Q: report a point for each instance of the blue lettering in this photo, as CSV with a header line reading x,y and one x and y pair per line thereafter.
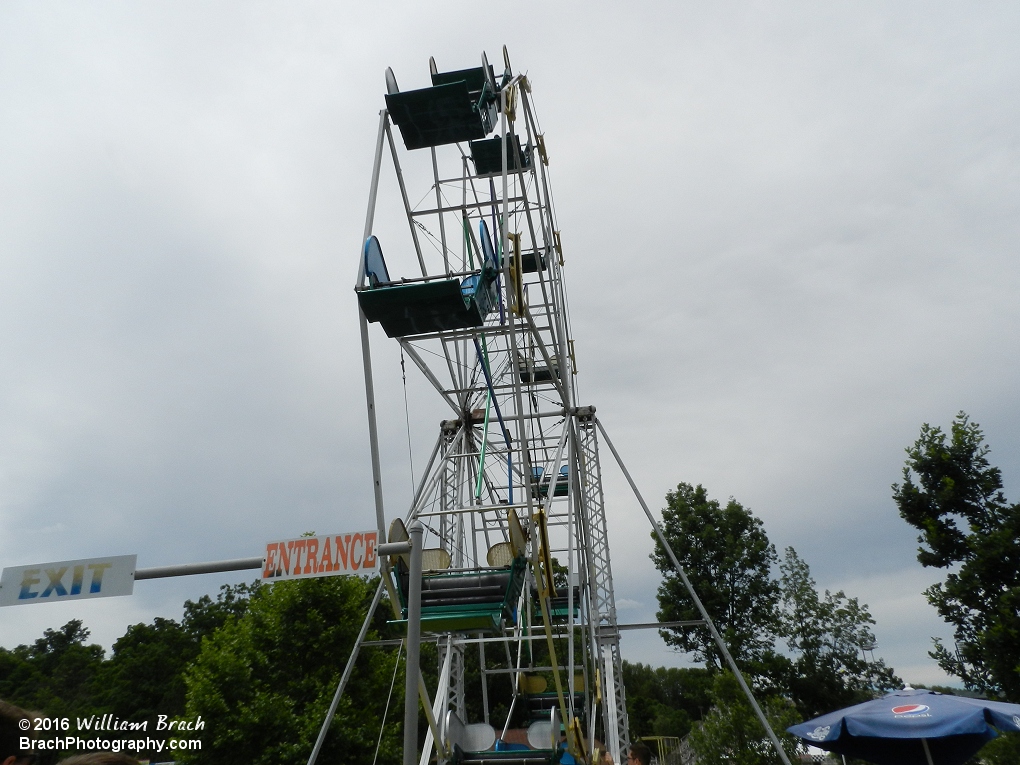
x,y
27,580
55,585
97,570
79,573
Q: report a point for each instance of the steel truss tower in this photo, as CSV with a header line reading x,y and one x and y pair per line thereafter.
x,y
481,311
514,570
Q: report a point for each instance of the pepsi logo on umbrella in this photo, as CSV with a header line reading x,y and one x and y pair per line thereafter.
x,y
911,710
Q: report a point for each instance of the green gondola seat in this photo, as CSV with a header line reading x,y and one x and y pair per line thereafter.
x,y
422,307
532,262
536,372
486,156
477,600
559,606
460,106
540,704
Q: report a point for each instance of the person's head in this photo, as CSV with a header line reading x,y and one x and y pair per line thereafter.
x,y
15,724
639,754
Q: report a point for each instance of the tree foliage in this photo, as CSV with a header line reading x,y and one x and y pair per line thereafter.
x,y
664,701
55,674
144,675
953,496
828,636
729,561
730,734
267,678
728,558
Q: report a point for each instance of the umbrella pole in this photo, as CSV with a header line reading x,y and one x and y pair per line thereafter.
x,y
927,751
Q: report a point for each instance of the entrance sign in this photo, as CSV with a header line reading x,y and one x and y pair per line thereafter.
x,y
328,555
68,580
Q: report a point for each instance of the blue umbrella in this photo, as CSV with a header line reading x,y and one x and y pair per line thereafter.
x,y
911,727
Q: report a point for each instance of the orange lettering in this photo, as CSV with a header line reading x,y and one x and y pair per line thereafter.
x,y
312,557
370,557
356,562
326,562
342,545
299,549
285,559
271,550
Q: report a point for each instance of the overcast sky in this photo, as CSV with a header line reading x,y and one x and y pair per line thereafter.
x,y
790,234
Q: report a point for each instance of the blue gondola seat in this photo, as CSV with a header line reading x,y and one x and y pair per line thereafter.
x,y
540,487
507,754
421,307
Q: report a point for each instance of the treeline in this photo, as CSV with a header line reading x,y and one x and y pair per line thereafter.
x,y
259,664
804,652
808,652
62,675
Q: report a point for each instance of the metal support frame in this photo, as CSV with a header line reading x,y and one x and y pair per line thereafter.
x,y
413,648
498,459
481,469
607,635
542,326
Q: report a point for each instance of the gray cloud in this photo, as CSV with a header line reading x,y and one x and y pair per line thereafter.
x,y
790,237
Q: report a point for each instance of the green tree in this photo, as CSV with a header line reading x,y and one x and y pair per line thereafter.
x,y
53,675
1004,750
264,680
953,496
664,701
730,734
828,636
144,675
728,558
204,616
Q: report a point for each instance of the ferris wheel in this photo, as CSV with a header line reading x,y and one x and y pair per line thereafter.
x,y
502,558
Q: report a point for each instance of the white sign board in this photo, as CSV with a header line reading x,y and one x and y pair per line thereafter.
x,y
68,580
328,555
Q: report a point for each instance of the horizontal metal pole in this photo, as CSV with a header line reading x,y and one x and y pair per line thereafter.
x,y
396,641
467,206
188,569
431,638
461,179
515,670
661,625
393,548
418,280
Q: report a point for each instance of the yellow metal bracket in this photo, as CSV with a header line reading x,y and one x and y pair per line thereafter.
x,y
542,565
